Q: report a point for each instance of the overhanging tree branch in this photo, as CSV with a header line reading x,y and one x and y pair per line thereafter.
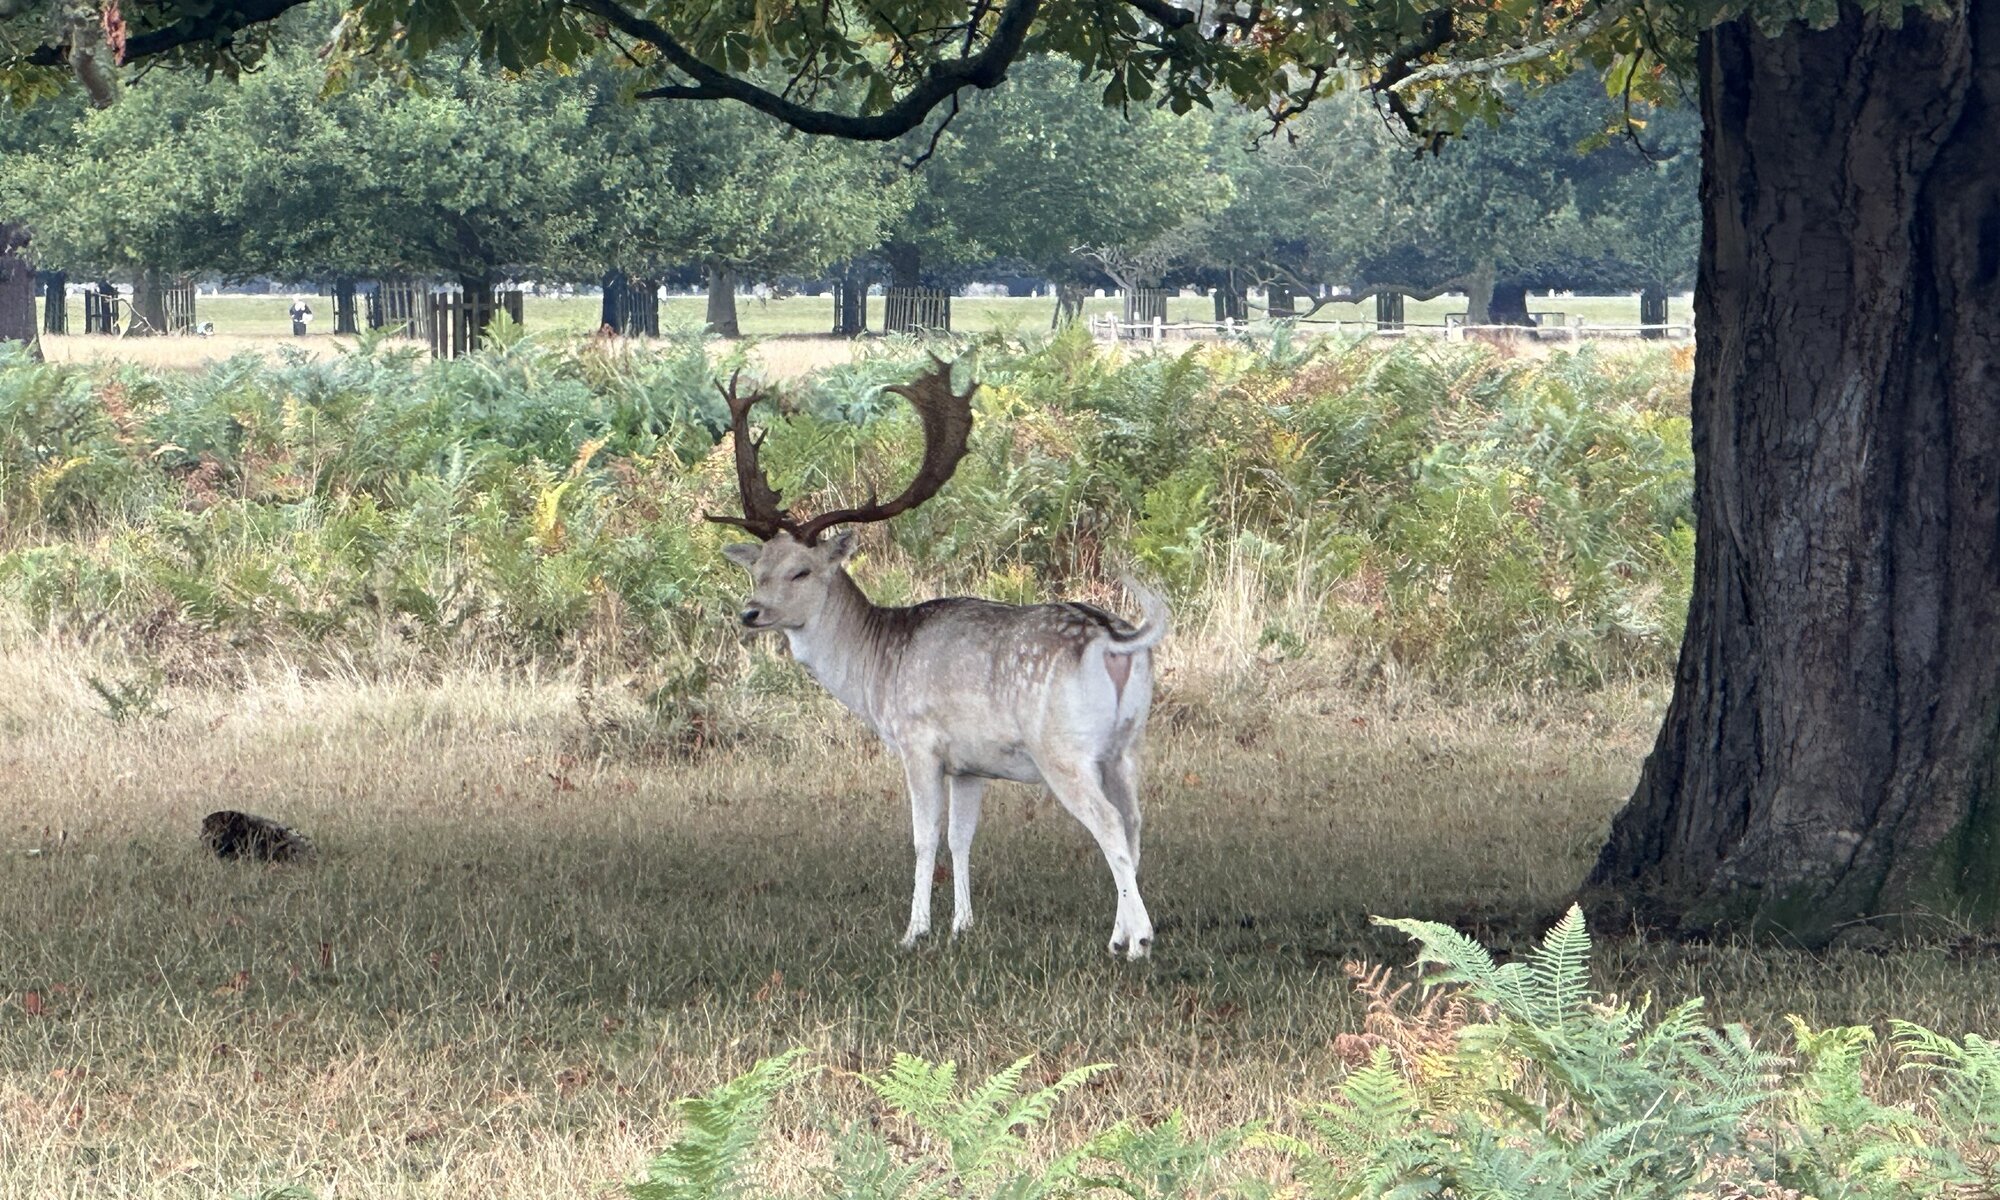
x,y
217,24
940,82
1563,39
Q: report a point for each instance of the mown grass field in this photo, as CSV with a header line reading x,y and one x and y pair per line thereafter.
x,y
260,323
549,902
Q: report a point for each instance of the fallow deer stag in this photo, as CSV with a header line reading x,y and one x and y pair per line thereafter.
x,y
963,690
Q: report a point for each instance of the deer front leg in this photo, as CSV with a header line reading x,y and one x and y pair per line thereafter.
x,y
926,779
967,792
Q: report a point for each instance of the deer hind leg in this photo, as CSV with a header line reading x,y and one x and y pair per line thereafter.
x,y
967,792
926,780
1120,776
1080,789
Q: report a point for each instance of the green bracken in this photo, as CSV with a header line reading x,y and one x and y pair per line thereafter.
x,y
1452,510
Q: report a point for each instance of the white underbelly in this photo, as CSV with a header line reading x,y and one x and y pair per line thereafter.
x,y
992,762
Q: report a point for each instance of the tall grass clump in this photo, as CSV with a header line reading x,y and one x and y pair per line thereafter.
x,y
1448,510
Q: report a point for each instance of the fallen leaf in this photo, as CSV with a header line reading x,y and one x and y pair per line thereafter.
x,y
36,1006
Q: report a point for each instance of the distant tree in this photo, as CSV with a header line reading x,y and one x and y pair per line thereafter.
x,y
1542,198
25,132
1639,204
1043,173
719,188
469,175
132,194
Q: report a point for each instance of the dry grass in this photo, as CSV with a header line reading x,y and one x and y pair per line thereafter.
x,y
523,941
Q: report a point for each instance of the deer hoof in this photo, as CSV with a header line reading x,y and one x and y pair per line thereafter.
x,y
1129,948
911,940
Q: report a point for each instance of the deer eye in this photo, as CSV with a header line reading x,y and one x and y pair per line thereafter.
x,y
801,574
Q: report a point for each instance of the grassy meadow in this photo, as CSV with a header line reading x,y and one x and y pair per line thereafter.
x,y
584,849
793,328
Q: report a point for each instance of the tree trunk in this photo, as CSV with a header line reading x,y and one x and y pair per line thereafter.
x,y
851,317
1652,310
344,317
55,302
1280,303
906,264
631,306
17,290
1508,305
149,304
1479,295
722,303
611,313
1230,302
1832,750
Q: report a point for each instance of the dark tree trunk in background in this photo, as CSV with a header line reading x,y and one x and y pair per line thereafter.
x,y
631,306
149,304
851,306
722,303
17,290
611,313
55,302
1509,305
1281,303
1832,750
906,264
1230,303
344,316
1479,295
1653,310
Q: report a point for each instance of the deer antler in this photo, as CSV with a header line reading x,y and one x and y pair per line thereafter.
x,y
763,509
947,422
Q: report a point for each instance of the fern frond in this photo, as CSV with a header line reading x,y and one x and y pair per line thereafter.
x,y
712,1157
1560,969
1161,1161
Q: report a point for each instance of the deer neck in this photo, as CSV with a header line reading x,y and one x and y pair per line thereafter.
x,y
841,647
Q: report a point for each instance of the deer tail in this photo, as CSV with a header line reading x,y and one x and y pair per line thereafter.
x,y
1154,624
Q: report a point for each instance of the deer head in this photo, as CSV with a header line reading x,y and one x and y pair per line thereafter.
x,y
790,565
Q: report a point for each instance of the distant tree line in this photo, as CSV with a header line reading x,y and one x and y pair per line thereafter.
x,y
476,177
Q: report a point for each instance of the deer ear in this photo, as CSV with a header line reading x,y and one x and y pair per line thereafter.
x,y
743,554
840,547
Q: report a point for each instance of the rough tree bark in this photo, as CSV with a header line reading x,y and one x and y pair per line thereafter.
x,y
722,303
17,290
1832,751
